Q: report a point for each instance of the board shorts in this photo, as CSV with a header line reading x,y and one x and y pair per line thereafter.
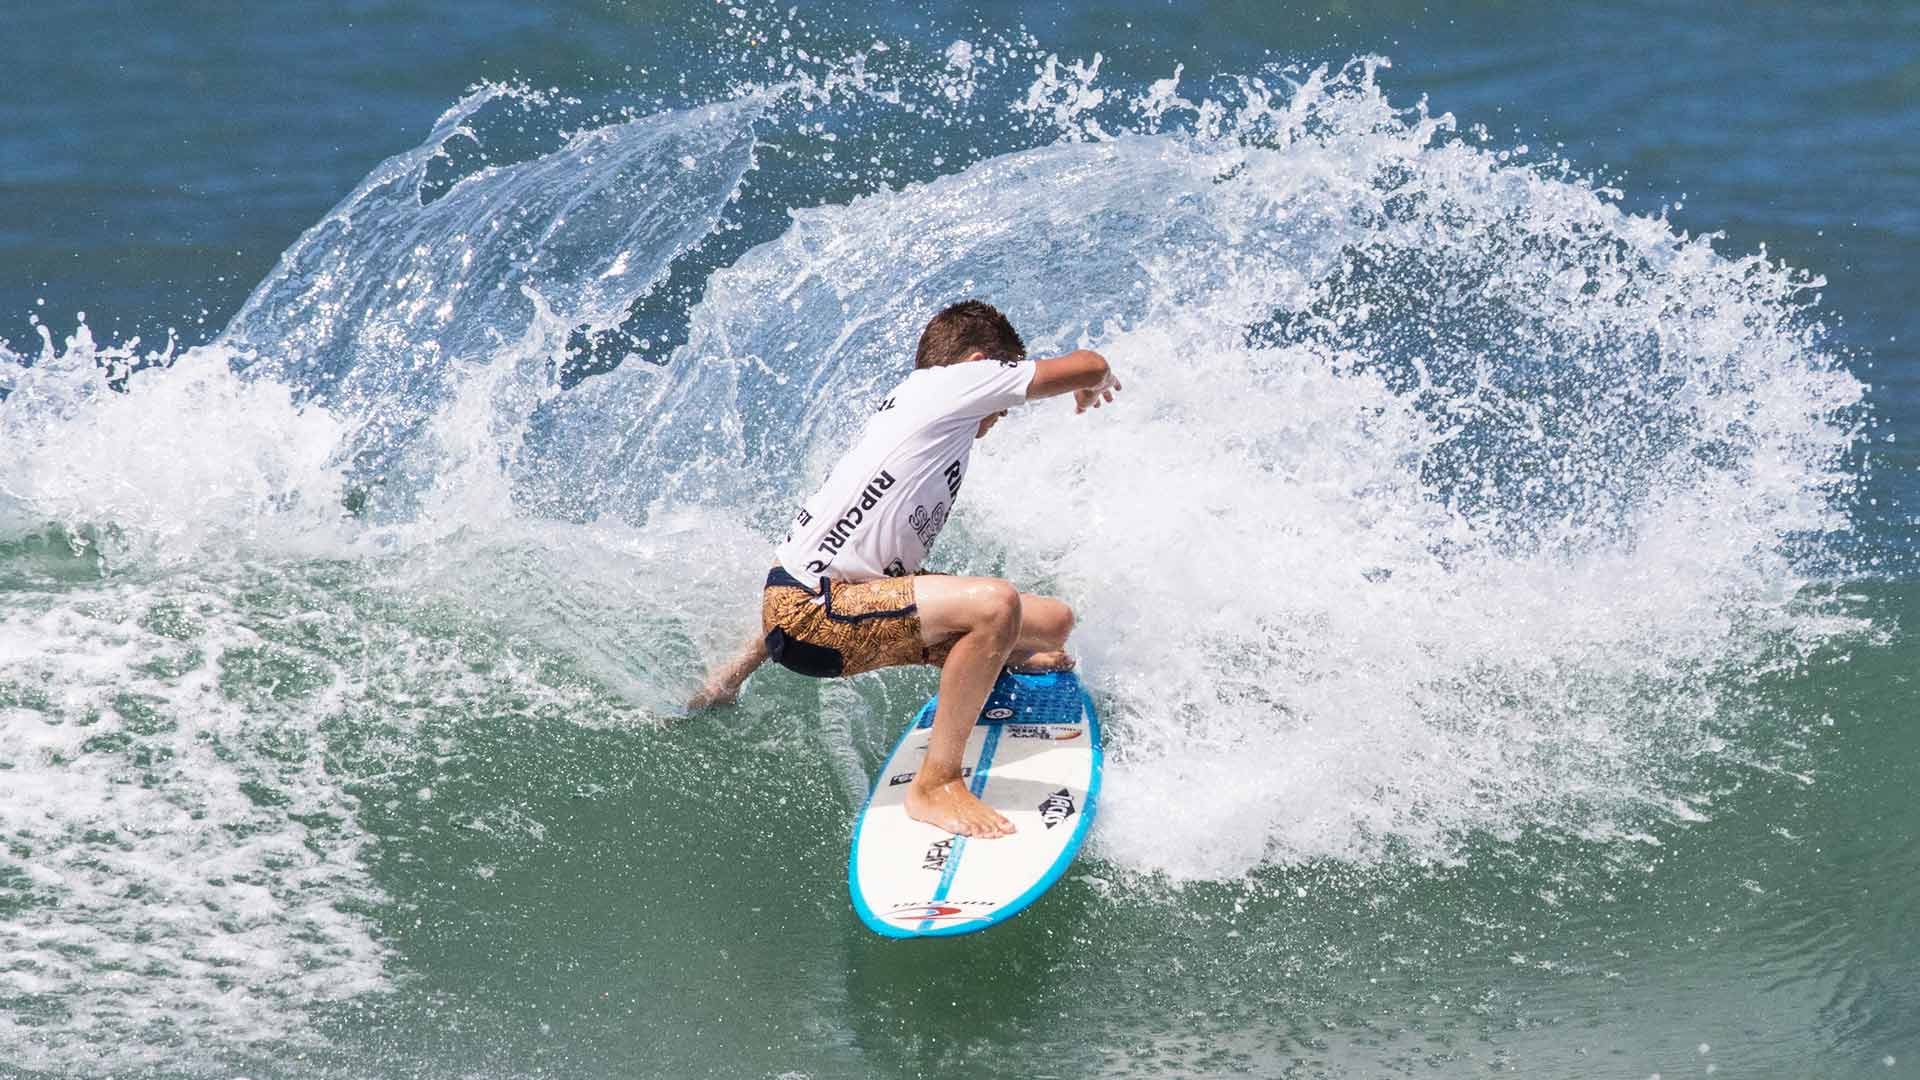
x,y
842,628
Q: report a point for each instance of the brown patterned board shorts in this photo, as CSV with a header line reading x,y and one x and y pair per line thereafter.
x,y
842,628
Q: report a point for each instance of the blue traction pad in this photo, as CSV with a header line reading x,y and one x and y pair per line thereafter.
x,y
1052,697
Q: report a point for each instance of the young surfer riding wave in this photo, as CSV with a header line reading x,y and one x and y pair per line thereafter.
x,y
846,593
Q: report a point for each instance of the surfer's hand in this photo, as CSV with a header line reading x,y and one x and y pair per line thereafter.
x,y
713,695
723,682
1094,398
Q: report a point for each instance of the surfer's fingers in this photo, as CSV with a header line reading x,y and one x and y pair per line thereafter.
x,y
1093,399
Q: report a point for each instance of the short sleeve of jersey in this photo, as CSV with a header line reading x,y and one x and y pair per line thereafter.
x,y
980,387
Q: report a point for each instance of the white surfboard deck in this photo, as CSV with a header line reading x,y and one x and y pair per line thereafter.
x,y
1034,755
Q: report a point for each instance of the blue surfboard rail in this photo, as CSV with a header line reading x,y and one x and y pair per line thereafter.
x,y
1008,693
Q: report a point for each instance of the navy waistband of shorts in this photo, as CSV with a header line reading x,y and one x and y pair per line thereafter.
x,y
779,578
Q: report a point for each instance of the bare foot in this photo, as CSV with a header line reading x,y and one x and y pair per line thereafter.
x,y
952,807
1036,663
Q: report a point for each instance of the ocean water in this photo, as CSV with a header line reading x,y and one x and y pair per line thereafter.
x,y
1498,576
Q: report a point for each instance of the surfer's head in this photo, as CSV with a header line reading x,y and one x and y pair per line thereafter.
x,y
968,330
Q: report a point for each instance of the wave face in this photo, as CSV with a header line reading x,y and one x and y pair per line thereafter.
x,y
1442,489
1445,500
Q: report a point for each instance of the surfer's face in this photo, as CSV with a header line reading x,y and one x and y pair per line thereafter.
x,y
987,422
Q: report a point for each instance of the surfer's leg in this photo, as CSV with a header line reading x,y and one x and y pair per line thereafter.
x,y
1045,622
981,619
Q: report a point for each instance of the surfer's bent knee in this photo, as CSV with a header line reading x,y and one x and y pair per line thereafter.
x,y
999,607
1068,620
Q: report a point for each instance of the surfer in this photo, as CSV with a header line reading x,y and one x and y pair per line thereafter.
x,y
847,594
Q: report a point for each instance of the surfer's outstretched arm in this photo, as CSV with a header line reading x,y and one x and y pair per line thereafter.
x,y
723,682
1082,372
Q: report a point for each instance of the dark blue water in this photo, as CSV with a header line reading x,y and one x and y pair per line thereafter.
x,y
332,741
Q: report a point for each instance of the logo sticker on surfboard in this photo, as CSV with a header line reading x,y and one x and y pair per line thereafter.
x,y
1042,731
937,912
1056,807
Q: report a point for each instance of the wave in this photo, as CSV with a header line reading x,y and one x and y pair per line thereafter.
x,y
1445,498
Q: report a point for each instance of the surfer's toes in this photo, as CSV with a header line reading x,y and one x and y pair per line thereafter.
x,y
986,827
953,808
1042,662
981,830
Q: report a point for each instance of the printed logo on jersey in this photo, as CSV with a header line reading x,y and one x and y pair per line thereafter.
x,y
896,568
1057,807
836,537
1009,363
800,521
954,475
999,713
928,523
937,855
884,405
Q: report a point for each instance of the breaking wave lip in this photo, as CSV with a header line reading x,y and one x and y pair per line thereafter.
x,y
1443,499
1450,492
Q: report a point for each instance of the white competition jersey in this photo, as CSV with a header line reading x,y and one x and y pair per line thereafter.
x,y
878,514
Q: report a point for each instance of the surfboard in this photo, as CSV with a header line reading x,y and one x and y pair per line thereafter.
x,y
1034,755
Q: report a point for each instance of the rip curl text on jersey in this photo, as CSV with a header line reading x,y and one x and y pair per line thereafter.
x,y
883,505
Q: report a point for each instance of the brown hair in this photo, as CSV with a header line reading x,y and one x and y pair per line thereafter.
x,y
963,329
